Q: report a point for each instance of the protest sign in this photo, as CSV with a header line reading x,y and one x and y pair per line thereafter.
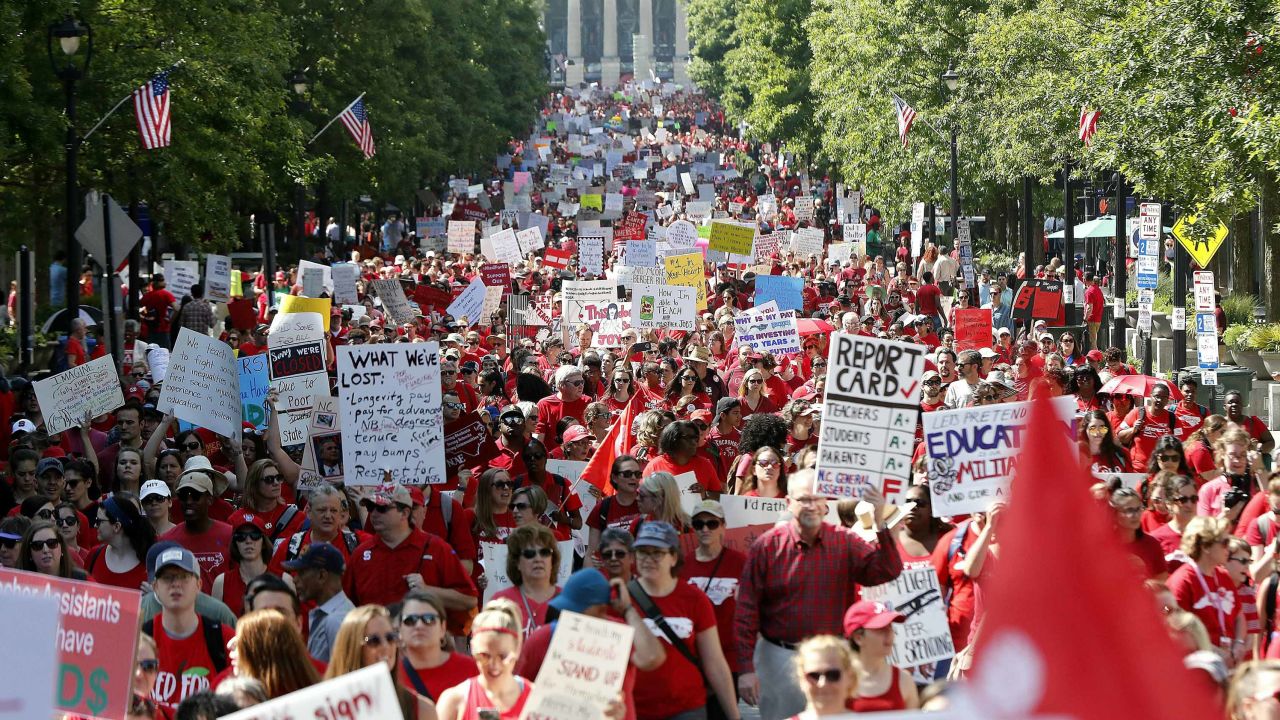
x,y
345,276
925,637
492,304
254,384
462,237
326,274
95,641
840,252
180,276
731,238
686,269
292,304
157,360
786,290
869,416
296,368
804,208
607,322
591,254
312,283
578,294
506,248
973,328
394,303
217,278
529,240
557,259
682,234
203,386
364,694
84,391
664,306
765,248
497,275
322,457
771,332
431,297
391,413
856,236
806,242
593,201
26,687
641,253
631,227
494,561
917,229
470,304
585,666
463,445
972,452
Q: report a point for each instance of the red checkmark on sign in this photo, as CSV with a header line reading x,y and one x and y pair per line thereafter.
x,y
909,391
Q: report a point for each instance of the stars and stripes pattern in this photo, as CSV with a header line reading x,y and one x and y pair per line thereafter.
x,y
1088,125
906,117
356,120
151,105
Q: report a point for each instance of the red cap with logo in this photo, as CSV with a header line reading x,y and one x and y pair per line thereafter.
x,y
870,614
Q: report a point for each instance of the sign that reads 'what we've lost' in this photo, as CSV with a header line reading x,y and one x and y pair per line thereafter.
x,y
869,416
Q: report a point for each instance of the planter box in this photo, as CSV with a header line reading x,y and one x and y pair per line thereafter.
x,y
1271,361
1161,325
1252,359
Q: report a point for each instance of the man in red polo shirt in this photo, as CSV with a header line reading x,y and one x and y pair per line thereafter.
x,y
400,558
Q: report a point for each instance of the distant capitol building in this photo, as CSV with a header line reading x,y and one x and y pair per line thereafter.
x,y
604,40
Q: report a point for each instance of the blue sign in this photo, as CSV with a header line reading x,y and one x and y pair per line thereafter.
x,y
253,389
786,290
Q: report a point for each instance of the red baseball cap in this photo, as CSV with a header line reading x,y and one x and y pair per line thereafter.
x,y
576,433
419,500
870,614
1095,355
702,414
241,518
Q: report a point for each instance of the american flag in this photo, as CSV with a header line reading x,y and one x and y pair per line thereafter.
x,y
906,116
1088,125
357,123
151,105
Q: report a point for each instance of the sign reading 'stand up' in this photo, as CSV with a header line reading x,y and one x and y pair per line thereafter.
x,y
869,416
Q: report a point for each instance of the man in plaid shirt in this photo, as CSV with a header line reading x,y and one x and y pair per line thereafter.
x,y
799,579
197,315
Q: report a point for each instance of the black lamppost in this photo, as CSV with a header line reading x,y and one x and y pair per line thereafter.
x,y
952,79
299,105
67,65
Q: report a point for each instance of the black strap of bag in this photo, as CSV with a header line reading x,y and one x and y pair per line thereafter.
x,y
415,680
653,613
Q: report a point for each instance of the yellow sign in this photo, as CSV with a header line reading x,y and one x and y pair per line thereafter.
x,y
593,202
688,270
731,238
296,304
1200,236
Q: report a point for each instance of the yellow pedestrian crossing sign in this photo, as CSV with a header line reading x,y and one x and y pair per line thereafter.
x,y
1200,236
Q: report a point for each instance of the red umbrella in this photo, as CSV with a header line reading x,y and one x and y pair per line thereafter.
x,y
1138,385
811,326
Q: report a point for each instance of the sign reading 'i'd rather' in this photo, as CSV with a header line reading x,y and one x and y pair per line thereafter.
x,y
869,416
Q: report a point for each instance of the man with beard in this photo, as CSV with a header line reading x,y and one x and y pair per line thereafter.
x,y
208,539
799,578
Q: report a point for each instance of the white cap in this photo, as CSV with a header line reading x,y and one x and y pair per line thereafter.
x,y
154,487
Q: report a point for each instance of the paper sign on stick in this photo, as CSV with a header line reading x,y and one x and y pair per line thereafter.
x,y
90,390
217,278
203,386
345,276
470,304
364,694
296,357
925,637
731,238
664,306
687,270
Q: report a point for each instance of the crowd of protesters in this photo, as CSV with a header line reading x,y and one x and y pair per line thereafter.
x,y
272,586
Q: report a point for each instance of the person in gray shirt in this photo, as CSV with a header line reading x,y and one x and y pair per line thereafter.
x,y
317,574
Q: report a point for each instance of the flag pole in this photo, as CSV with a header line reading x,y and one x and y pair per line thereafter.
x,y
123,100
335,119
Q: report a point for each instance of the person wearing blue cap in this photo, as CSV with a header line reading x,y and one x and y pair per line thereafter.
x,y
587,592
317,574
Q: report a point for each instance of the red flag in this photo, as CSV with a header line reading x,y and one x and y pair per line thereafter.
x,y
1070,632
557,259
618,441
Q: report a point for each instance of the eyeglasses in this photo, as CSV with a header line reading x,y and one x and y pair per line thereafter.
x,y
191,446
1241,560
504,485
520,506
1184,499
622,381
628,473
390,638
530,553
187,495
424,619
613,554
831,675
272,479
705,524
455,405
1098,430
45,544
45,514
576,383
1170,457
149,666
247,535
755,382
68,521
766,463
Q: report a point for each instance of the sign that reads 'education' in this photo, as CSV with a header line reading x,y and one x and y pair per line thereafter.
x,y
869,416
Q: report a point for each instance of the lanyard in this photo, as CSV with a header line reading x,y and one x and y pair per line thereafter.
x,y
1214,600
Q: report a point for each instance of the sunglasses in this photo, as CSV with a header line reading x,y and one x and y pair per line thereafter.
x,y
1099,430
148,665
455,405
705,524
613,554
73,483
1184,499
755,382
520,506
67,521
766,463
1170,457
272,479
384,508
629,473
45,544
622,381
247,535
423,619
530,553
390,638
504,485
830,676
45,514
188,495
576,383
191,446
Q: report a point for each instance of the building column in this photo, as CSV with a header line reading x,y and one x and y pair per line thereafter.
x,y
575,66
681,60
610,65
642,52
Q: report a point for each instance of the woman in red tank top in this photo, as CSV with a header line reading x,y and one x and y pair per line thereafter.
x,y
495,645
249,555
881,686
828,676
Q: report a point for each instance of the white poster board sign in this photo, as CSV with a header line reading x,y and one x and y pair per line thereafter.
x,y
772,332
664,306
462,237
88,390
584,669
296,368
345,276
217,278
181,275
364,694
470,304
925,637
203,385
391,413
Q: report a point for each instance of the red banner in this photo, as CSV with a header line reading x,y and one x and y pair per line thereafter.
x,y
630,227
557,259
96,640
430,296
973,328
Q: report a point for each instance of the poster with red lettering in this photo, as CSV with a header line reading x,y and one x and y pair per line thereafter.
x,y
973,328
96,639
365,694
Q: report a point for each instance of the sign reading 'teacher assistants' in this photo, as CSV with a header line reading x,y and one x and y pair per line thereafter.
x,y
869,416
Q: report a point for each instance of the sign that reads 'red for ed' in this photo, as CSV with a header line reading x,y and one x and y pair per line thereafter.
x,y
869,416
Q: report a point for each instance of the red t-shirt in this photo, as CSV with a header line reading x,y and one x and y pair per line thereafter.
x,y
726,445
376,573
619,515
96,566
718,580
676,685
1212,598
75,349
551,410
928,300
456,670
185,664
1150,553
212,548
1095,303
534,612
1157,426
1188,419
1253,533
702,470
158,302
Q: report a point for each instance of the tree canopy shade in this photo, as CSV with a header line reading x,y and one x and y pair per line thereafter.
x,y
447,83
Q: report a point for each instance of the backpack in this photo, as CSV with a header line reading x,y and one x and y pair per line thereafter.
x,y
212,631
957,542
286,517
350,539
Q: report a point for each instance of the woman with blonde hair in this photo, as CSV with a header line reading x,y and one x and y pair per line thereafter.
x,y
1203,587
495,645
366,637
828,673
659,499
752,393
270,649
1253,690
648,430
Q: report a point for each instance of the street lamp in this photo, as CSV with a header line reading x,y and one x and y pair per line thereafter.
x,y
299,85
68,66
952,80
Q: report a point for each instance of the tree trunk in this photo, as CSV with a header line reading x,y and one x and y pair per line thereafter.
x,y
1011,220
1268,216
1240,261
